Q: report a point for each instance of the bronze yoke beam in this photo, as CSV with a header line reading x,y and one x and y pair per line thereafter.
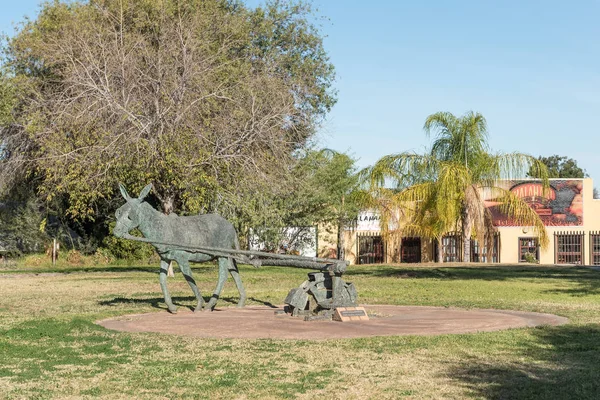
x,y
273,259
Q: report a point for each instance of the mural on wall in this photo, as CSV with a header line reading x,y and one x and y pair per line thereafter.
x,y
560,205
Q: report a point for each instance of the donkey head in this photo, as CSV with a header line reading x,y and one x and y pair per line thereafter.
x,y
128,217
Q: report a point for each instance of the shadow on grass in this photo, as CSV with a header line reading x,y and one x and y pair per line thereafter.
x,y
563,363
76,269
482,272
159,302
265,303
586,285
588,279
200,268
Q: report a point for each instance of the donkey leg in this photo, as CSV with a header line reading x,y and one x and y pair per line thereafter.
x,y
235,274
223,264
187,273
164,265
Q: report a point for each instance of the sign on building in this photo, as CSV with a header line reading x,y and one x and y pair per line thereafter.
x,y
366,221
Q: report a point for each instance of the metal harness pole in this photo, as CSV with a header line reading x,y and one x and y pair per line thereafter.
x,y
287,260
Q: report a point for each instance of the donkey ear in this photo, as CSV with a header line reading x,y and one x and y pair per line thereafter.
x,y
145,191
124,191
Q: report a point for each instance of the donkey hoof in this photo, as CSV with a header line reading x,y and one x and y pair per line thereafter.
x,y
211,304
198,308
172,309
241,303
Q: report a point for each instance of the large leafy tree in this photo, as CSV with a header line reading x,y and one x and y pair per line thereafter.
x,y
207,99
441,192
7,100
560,167
331,192
324,190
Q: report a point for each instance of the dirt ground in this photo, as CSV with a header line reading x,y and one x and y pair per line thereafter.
x,y
263,323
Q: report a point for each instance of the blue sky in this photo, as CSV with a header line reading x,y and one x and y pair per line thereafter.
x,y
532,68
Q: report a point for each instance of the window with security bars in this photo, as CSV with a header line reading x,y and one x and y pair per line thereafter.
x,y
410,250
481,254
371,249
451,248
595,248
528,245
568,248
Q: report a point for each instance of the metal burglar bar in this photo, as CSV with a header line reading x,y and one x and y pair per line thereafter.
x,y
528,245
568,248
480,255
475,250
595,248
451,248
371,249
410,251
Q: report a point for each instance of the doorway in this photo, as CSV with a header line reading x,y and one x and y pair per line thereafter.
x,y
411,250
370,249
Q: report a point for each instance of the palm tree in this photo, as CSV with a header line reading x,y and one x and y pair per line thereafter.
x,y
442,191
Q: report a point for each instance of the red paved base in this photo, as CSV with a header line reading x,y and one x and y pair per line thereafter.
x,y
261,322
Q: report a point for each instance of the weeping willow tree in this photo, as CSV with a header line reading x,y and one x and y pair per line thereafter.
x,y
443,191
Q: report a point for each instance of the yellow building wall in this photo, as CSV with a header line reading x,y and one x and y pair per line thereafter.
x,y
351,246
509,236
327,241
591,215
392,247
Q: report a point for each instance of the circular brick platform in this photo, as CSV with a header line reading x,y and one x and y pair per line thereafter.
x,y
261,322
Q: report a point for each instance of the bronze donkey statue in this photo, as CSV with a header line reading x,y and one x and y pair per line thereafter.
x,y
207,230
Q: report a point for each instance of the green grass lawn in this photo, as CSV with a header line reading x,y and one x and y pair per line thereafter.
x,y
51,348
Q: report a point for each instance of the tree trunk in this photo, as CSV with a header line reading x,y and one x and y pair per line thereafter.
x,y
341,245
466,235
466,248
440,251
